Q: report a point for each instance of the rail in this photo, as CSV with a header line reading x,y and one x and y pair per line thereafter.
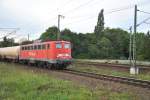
x,y
131,81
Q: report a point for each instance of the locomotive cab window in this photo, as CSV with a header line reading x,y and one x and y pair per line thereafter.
x,y
67,46
25,48
43,46
28,47
22,48
31,47
35,47
58,45
48,46
39,47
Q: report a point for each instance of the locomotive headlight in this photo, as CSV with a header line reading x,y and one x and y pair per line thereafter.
x,y
62,55
67,54
59,55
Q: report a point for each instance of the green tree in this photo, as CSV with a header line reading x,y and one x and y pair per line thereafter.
x,y
105,48
49,34
146,48
66,34
120,42
93,51
99,28
8,42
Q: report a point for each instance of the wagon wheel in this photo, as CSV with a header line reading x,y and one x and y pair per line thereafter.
x,y
29,64
48,65
39,64
25,62
62,66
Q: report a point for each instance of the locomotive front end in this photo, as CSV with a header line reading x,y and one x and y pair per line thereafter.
x,y
63,53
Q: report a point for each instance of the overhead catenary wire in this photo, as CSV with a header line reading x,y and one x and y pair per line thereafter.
x,y
107,13
14,31
124,8
143,21
7,34
7,28
78,7
144,12
70,11
66,3
88,2
81,20
147,23
93,17
120,9
55,11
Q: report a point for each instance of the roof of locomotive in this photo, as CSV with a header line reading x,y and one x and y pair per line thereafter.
x,y
46,42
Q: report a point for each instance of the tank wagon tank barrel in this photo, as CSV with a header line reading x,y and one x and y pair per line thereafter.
x,y
10,52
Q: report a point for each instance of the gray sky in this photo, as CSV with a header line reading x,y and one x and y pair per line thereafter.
x,y
35,16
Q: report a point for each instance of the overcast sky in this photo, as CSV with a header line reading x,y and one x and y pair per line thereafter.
x,y
35,16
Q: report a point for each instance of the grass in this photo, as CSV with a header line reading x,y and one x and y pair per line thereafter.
x,y
17,83
89,68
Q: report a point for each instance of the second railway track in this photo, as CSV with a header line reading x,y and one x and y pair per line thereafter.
x,y
122,67
130,81
113,65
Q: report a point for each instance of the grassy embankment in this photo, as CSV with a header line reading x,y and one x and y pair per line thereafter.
x,y
109,71
17,83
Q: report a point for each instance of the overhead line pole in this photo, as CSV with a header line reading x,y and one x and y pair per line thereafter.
x,y
135,68
28,37
58,34
130,47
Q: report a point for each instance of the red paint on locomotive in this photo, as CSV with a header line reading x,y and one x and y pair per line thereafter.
x,y
52,51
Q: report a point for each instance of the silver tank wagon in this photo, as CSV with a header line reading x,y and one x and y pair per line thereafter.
x,y
10,52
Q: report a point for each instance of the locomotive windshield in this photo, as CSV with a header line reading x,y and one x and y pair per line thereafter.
x,y
58,45
67,46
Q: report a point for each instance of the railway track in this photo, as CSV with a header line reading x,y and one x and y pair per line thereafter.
x,y
122,66
130,81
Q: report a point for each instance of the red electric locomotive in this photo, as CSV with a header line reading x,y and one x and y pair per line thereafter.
x,y
53,54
